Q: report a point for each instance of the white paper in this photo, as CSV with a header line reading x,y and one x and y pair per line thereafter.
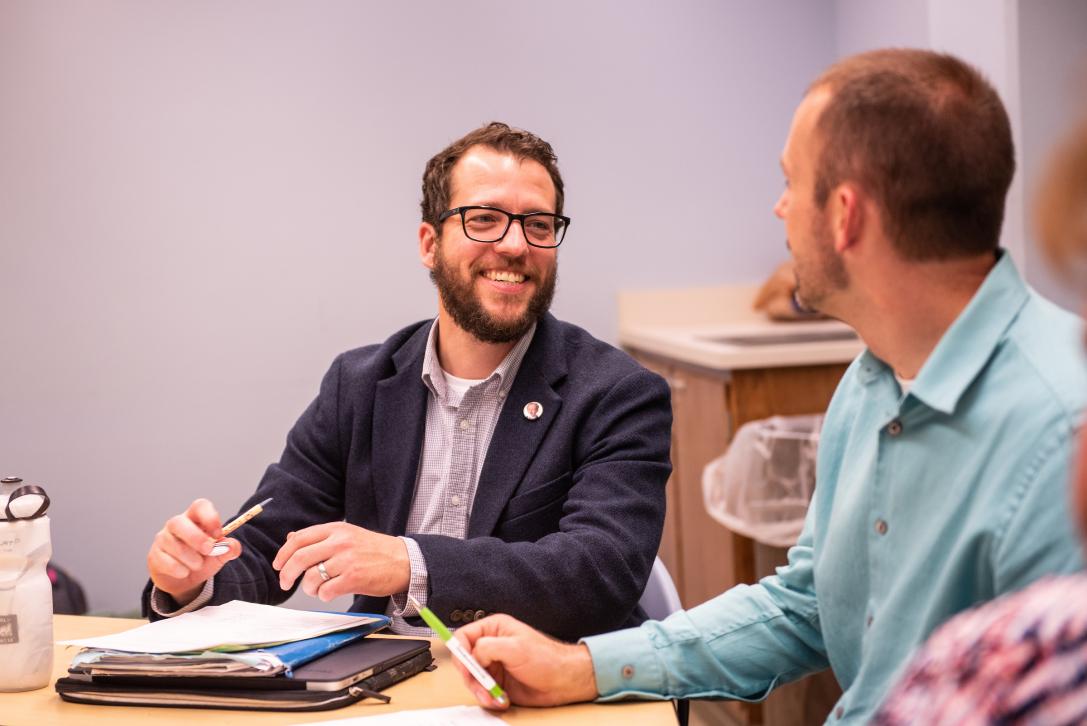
x,y
452,716
236,623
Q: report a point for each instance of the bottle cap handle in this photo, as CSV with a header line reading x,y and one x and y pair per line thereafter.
x,y
21,510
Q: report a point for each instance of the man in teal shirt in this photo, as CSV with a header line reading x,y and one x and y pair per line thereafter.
x,y
942,467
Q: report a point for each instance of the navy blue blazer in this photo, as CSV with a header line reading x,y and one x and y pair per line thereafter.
x,y
568,511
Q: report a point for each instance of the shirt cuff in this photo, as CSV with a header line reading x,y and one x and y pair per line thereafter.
x,y
163,604
417,583
625,664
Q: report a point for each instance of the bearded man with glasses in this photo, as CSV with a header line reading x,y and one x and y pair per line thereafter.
x,y
491,460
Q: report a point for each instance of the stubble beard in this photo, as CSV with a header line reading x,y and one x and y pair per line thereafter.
x,y
825,274
462,302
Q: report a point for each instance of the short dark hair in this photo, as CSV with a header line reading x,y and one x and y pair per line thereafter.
x,y
929,138
498,136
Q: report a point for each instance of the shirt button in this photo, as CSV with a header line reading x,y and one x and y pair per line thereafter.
x,y
480,615
868,621
881,526
464,424
455,499
894,428
455,616
838,712
628,672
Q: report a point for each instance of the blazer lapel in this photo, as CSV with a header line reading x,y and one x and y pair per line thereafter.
x,y
399,426
516,438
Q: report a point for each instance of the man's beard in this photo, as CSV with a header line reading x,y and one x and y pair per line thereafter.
x,y
460,299
825,274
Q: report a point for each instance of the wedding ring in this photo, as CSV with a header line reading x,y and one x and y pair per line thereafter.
x,y
325,577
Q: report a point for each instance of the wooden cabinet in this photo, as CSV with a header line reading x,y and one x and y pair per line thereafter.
x,y
704,557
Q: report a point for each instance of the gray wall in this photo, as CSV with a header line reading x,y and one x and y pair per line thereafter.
x,y
862,25
204,202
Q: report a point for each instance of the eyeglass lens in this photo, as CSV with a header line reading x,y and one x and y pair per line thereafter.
x,y
490,225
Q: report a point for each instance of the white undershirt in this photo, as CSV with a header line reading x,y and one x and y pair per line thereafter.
x,y
460,385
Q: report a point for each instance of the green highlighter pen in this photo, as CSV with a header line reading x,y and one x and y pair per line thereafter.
x,y
458,651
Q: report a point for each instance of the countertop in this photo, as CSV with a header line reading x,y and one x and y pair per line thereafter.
x,y
716,328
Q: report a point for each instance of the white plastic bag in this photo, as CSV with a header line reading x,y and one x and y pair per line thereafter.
x,y
761,486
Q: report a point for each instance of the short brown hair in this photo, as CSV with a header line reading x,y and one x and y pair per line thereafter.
x,y
929,138
1061,207
498,136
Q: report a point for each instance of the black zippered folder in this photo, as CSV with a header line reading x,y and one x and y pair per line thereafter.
x,y
356,671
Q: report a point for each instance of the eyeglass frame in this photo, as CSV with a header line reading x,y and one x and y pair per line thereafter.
x,y
511,218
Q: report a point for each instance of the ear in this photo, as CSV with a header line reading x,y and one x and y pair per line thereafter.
x,y
428,238
847,214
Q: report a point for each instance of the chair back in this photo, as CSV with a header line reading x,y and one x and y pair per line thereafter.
x,y
660,598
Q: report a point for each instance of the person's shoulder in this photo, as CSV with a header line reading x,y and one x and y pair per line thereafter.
x,y
861,365
587,355
378,358
848,394
1044,351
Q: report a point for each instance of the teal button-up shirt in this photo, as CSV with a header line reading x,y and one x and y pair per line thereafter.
x,y
926,504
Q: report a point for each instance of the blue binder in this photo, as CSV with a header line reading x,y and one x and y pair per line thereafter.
x,y
299,652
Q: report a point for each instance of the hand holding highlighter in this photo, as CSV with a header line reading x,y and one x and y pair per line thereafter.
x,y
478,672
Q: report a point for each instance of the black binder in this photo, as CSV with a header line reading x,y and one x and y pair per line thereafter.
x,y
356,671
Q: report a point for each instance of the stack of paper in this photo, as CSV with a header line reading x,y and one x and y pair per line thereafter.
x,y
238,638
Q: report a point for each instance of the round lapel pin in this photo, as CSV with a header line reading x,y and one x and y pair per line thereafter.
x,y
533,410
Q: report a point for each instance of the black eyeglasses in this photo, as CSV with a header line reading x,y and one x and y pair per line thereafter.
x,y
490,224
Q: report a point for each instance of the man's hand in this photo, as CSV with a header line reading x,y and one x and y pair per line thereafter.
x,y
532,668
775,297
179,560
357,561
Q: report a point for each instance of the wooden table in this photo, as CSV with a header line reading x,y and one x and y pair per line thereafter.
x,y
439,688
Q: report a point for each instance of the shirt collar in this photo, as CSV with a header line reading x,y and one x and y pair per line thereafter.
x,y
434,377
968,344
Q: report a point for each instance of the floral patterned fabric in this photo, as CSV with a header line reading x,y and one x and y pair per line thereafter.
x,y
1021,659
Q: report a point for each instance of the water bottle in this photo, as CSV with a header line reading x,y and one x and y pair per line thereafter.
x,y
26,594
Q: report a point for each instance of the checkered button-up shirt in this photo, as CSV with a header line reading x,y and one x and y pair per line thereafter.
x,y
459,426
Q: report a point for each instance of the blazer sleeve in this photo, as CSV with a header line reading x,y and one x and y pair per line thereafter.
x,y
307,485
587,576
